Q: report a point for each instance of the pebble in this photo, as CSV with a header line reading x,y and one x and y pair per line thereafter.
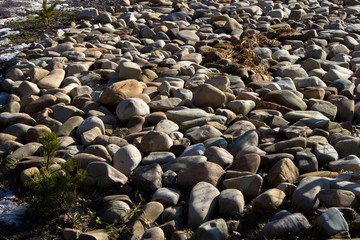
x,y
202,203
174,99
214,229
332,222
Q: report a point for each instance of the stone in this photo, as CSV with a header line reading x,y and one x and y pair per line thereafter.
x,y
249,185
150,212
182,163
103,175
305,198
131,107
62,113
52,80
286,98
332,222
325,153
242,107
166,196
129,70
28,149
200,134
166,126
84,159
88,137
68,128
158,157
165,104
348,147
215,229
346,108
187,35
27,174
292,71
247,162
208,95
231,25
153,233
155,141
283,170
240,127
86,13
201,172
307,161
196,149
39,104
231,203
27,88
119,91
269,201
148,177
182,115
295,223
70,234
94,235
90,123
249,138
98,150
115,211
126,159
202,203
219,156
349,163
338,198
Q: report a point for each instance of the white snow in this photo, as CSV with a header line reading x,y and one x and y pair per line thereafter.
x,y
10,210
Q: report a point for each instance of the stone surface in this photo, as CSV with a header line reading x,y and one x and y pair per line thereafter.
x,y
202,203
332,222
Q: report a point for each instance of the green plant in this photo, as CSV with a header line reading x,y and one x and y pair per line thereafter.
x,y
119,226
47,12
50,143
55,188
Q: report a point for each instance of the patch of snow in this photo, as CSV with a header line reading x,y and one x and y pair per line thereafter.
x,y
10,210
5,41
15,50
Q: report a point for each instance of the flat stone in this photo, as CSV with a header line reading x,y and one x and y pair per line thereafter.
x,y
200,134
148,177
269,200
131,107
283,171
126,159
119,91
338,198
129,70
219,155
349,163
231,203
155,141
208,95
211,230
325,153
295,223
166,196
286,98
202,203
332,222
103,175
52,80
182,163
304,198
249,185
201,172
